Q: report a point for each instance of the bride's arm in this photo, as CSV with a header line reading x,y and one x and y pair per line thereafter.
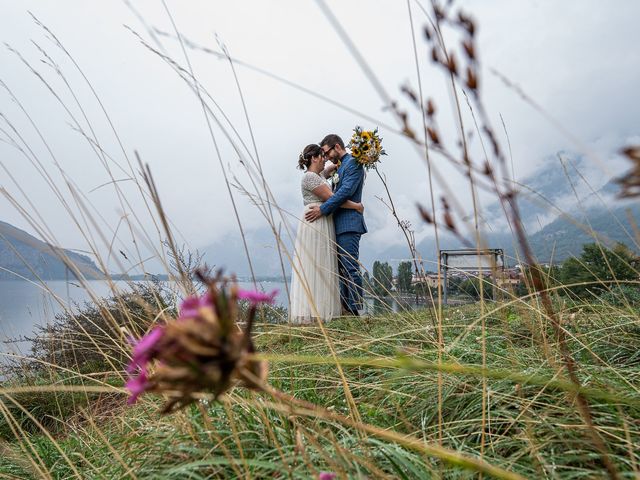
x,y
324,193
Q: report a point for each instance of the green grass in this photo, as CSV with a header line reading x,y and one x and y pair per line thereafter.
x,y
534,430
495,388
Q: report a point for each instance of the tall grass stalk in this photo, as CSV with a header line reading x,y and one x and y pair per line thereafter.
x,y
542,385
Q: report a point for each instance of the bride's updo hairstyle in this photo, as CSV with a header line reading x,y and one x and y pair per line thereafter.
x,y
310,151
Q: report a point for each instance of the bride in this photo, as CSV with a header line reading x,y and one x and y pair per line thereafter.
x,y
315,292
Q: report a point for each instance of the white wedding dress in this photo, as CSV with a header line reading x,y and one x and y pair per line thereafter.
x,y
315,291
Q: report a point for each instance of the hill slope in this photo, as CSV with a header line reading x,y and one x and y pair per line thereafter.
x,y
23,255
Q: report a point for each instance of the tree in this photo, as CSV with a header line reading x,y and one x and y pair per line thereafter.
x,y
453,285
471,287
422,289
404,277
598,268
382,279
367,283
550,278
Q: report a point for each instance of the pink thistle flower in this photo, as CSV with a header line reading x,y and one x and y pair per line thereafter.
x,y
256,297
201,350
137,386
143,348
327,476
191,306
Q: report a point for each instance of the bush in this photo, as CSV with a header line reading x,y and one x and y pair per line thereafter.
x,y
471,287
92,337
86,342
622,296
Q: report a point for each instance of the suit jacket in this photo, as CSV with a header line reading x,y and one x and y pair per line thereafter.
x,y
351,181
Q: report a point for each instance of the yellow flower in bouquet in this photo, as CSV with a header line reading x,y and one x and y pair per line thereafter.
x,y
366,147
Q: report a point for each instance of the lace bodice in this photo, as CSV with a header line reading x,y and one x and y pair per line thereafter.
x,y
311,180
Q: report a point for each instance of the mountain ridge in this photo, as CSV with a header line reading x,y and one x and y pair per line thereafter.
x,y
23,256
558,186
561,181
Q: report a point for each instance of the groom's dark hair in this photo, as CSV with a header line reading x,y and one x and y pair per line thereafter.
x,y
331,140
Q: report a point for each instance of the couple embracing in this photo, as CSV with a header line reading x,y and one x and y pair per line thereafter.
x,y
325,279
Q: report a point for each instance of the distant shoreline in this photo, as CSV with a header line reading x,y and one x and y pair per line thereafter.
x,y
137,278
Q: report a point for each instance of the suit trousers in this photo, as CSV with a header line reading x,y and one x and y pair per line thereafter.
x,y
349,270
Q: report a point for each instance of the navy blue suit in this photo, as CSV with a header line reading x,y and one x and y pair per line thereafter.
x,y
350,227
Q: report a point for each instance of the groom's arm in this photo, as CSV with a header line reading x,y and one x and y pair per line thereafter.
x,y
352,176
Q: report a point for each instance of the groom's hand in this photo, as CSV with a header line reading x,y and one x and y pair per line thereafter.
x,y
313,214
330,167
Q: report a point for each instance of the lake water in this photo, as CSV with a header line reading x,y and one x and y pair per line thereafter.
x,y
23,305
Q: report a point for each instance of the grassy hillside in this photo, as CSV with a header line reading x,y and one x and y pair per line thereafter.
x,y
530,425
540,386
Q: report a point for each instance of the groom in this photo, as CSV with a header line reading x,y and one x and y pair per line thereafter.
x,y
349,223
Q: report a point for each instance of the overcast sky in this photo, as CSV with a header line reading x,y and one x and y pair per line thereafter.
x,y
577,59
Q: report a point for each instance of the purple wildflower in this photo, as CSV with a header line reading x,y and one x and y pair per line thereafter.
x,y
142,349
256,297
191,306
137,386
327,476
201,350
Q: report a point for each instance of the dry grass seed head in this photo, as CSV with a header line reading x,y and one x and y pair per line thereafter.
x,y
630,182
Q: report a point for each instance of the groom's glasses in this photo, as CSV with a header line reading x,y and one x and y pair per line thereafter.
x,y
326,153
